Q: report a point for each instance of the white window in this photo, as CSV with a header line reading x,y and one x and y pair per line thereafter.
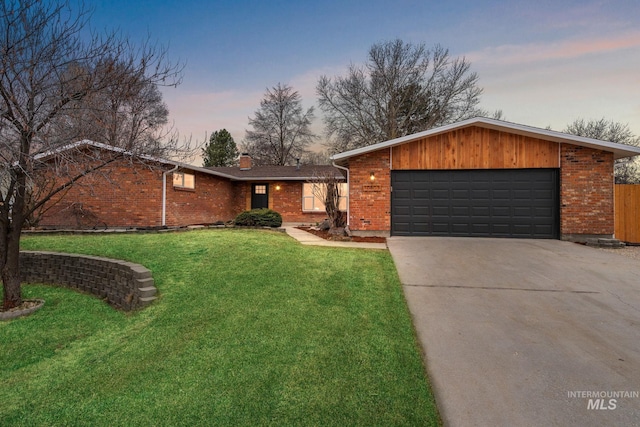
x,y
184,180
311,202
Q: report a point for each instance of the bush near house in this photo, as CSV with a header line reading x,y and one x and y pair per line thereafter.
x,y
259,218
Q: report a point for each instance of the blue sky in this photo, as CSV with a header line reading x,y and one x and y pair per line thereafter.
x,y
543,63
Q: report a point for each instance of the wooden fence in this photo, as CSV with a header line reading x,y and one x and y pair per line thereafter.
x,y
627,212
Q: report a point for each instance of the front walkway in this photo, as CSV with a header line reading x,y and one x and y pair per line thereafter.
x,y
311,239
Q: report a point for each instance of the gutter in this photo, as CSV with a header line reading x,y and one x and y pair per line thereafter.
x,y
333,163
164,194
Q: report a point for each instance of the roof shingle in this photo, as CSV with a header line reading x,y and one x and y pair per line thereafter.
x,y
284,173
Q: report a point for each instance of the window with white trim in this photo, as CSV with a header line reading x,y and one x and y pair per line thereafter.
x,y
311,203
184,180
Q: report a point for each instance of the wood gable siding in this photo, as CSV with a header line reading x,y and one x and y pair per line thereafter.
x,y
476,148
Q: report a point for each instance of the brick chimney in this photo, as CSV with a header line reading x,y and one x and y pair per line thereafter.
x,y
245,161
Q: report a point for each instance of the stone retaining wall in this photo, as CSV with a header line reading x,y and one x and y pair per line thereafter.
x,y
122,284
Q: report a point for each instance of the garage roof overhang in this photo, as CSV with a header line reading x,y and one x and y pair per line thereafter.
x,y
619,150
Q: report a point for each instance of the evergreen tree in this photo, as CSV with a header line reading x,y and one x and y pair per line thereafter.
x,y
221,150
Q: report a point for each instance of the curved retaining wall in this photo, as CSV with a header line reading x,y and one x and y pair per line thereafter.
x,y
122,284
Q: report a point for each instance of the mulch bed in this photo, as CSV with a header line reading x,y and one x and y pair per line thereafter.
x,y
325,235
27,307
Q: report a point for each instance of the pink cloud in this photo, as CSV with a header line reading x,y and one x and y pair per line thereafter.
x,y
565,49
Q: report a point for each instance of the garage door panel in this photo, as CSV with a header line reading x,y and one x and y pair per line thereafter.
x,y
460,193
402,195
461,228
544,194
477,194
543,212
440,228
481,212
481,229
490,203
420,211
522,194
501,194
523,212
460,211
501,211
403,211
441,194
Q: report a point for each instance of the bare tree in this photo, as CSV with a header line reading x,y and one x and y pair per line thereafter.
x,y
326,187
54,77
316,158
281,128
627,171
402,89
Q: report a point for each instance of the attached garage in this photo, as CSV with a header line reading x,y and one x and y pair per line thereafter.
x,y
484,178
520,203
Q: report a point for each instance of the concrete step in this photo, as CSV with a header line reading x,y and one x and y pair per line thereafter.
x,y
147,300
602,242
148,291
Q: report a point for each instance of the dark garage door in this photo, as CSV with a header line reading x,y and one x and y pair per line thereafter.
x,y
521,203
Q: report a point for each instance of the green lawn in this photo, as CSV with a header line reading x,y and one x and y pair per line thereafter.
x,y
250,328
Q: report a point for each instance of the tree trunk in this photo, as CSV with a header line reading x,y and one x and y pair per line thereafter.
x,y
11,270
10,233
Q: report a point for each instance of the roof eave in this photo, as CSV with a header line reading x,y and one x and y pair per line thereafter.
x,y
277,178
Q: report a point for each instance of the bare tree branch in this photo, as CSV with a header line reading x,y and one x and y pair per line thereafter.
x,y
402,89
627,171
281,128
327,187
58,85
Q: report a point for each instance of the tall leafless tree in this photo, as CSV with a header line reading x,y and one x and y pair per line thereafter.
x,y
316,158
627,171
402,89
281,128
53,77
327,187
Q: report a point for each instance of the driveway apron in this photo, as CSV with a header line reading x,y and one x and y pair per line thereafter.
x,y
525,332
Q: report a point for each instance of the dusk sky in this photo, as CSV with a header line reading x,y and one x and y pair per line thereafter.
x,y
543,63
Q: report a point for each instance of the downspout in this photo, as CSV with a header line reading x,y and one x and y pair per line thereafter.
x,y
348,191
164,194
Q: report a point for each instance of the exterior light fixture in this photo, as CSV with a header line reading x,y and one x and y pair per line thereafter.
x,y
372,177
278,187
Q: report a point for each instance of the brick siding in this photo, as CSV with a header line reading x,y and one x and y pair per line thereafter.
x,y
287,201
122,284
210,201
370,201
131,196
586,191
128,195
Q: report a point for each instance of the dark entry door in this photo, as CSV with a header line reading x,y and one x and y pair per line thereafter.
x,y
259,196
521,203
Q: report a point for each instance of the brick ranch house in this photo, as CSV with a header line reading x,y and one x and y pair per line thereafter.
x,y
155,192
484,178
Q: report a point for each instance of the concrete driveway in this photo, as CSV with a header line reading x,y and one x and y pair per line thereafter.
x,y
525,332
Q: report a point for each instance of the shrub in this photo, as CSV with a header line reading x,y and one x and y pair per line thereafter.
x,y
259,218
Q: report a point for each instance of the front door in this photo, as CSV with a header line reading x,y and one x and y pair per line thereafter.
x,y
259,196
